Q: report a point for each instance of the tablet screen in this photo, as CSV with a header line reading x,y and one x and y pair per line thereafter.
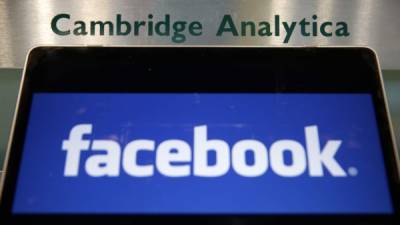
x,y
202,153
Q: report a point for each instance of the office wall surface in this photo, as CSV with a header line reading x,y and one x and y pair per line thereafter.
x,y
25,24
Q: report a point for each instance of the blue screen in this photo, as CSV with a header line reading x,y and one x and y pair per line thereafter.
x,y
202,153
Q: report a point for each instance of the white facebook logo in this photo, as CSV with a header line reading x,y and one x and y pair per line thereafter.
x,y
176,158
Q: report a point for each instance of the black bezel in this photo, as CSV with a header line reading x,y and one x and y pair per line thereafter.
x,y
200,69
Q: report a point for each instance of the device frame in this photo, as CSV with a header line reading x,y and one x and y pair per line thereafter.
x,y
359,62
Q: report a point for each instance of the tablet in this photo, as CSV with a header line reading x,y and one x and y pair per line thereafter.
x,y
167,135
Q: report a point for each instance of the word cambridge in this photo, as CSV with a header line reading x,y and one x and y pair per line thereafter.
x,y
179,30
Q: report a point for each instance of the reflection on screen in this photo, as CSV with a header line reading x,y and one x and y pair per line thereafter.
x,y
202,154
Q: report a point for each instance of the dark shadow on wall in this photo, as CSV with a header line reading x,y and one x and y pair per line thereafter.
x,y
9,85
